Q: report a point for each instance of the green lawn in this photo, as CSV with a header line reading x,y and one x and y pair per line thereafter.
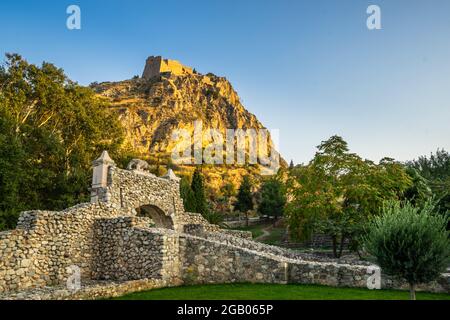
x,y
275,233
275,236
256,230
275,292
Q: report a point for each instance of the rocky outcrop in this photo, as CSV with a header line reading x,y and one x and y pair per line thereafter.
x,y
153,107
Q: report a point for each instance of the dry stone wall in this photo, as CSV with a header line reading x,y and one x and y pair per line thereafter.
x,y
129,190
220,259
126,249
44,244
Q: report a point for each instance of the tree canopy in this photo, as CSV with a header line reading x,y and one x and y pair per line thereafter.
x,y
338,191
273,198
244,200
409,242
50,131
432,172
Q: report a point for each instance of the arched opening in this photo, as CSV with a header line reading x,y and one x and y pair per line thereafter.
x,y
158,216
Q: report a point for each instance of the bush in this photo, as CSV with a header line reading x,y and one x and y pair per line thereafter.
x,y
409,243
215,218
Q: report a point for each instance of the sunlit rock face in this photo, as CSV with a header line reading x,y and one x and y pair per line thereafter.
x,y
169,97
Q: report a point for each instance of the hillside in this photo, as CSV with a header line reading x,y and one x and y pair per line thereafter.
x,y
170,97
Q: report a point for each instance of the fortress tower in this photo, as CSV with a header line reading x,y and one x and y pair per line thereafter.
x,y
156,65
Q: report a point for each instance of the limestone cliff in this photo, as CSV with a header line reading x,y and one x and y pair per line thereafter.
x,y
152,107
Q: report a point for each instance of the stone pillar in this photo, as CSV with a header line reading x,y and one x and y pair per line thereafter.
x,y
100,177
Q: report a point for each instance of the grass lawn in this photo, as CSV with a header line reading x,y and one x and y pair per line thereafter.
x,y
256,230
275,236
275,292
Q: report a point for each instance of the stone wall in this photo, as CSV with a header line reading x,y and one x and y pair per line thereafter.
x,y
219,259
154,66
206,261
108,241
44,244
129,190
89,290
210,261
126,249
192,218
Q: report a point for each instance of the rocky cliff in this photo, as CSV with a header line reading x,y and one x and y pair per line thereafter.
x,y
151,108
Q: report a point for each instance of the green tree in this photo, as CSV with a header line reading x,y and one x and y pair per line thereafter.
x,y
198,188
216,218
435,170
409,242
244,202
291,165
337,192
273,198
50,131
420,191
228,192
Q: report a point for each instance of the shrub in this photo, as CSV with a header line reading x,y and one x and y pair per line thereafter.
x,y
410,243
215,218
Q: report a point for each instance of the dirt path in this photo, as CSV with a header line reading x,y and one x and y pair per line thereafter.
x,y
265,234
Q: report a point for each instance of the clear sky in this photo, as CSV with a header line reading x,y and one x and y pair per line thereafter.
x,y
308,68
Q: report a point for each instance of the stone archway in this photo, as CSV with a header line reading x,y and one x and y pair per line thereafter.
x,y
158,216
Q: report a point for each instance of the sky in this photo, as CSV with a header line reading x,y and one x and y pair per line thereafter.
x,y
310,68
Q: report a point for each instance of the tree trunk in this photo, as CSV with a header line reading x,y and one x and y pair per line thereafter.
x,y
412,291
359,254
341,246
246,219
334,246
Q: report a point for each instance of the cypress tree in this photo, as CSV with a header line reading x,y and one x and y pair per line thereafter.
x,y
197,186
291,165
187,195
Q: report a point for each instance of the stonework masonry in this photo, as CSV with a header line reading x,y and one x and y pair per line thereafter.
x,y
156,66
135,235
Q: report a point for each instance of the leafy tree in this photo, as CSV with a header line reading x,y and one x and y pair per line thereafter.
x,y
273,198
419,192
197,186
244,201
437,166
50,131
337,192
435,170
409,242
228,191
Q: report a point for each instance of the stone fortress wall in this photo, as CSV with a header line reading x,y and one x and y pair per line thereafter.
x,y
135,235
156,65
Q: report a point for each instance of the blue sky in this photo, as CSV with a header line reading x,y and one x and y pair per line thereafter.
x,y
308,68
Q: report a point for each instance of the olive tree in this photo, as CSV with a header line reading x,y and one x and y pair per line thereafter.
x,y
410,243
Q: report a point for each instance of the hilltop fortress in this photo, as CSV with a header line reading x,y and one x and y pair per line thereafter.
x,y
156,65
